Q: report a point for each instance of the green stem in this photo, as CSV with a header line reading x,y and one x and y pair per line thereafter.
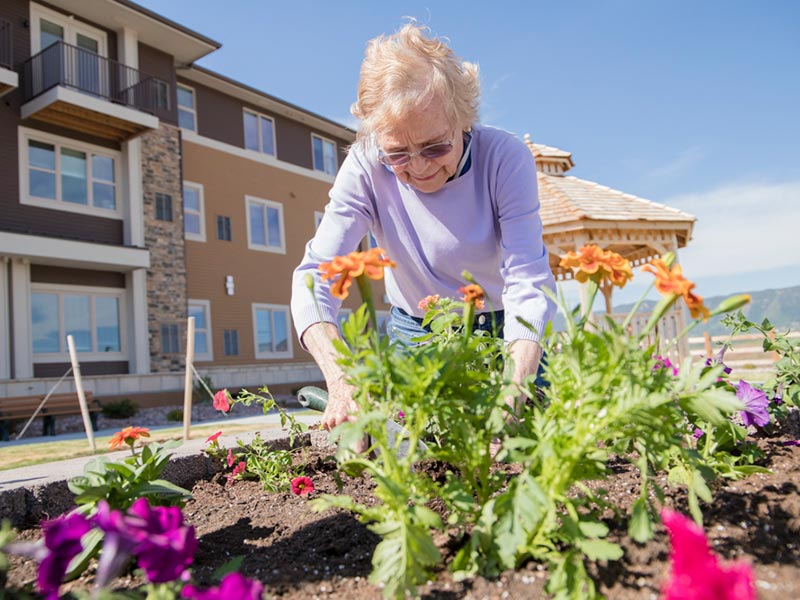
x,y
366,295
636,306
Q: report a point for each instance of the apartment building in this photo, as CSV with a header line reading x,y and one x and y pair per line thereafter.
x,y
138,189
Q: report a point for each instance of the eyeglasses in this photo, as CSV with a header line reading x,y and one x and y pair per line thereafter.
x,y
398,159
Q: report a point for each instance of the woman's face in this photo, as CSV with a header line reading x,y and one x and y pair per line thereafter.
x,y
423,127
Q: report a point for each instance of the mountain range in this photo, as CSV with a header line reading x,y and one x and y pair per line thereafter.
x,y
780,306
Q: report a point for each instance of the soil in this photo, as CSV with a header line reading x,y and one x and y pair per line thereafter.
x,y
299,554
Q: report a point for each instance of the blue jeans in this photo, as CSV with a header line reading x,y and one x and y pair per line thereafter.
x,y
403,328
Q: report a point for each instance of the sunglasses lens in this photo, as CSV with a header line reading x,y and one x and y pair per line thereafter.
x,y
395,159
436,150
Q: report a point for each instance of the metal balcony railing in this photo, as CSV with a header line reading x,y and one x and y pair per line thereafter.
x,y
65,65
6,45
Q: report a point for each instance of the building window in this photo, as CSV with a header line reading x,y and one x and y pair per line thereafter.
x,y
68,175
231,342
187,111
265,225
194,222
170,338
271,331
201,311
324,151
161,91
91,316
163,207
224,228
259,133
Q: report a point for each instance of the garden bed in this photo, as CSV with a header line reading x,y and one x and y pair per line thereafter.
x,y
298,554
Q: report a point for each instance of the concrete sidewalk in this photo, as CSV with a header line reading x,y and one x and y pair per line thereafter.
x,y
28,494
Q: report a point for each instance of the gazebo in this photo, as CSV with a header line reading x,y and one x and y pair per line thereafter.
x,y
576,212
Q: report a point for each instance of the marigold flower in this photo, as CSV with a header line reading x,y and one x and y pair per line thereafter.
x,y
672,281
213,437
592,262
355,264
127,437
428,301
473,294
221,401
302,485
696,572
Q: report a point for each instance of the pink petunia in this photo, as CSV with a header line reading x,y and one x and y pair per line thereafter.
x,y
213,437
696,573
302,485
221,402
231,459
237,470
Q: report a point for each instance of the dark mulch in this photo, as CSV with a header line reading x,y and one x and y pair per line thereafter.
x,y
299,554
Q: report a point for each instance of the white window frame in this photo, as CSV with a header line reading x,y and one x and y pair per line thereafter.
x,y
180,107
206,306
198,187
273,308
92,292
26,135
321,168
252,200
318,218
260,116
71,27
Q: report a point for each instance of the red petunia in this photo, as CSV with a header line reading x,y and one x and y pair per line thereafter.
x,y
221,401
213,437
302,485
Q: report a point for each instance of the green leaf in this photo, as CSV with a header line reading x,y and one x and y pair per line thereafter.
x,y
600,549
91,542
593,529
640,527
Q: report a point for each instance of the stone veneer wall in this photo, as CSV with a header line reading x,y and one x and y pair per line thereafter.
x,y
166,277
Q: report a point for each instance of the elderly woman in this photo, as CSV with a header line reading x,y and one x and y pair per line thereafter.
x,y
440,193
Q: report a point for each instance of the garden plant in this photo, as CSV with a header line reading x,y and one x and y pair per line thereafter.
x,y
508,476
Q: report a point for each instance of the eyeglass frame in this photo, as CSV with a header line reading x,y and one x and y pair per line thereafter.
x,y
411,155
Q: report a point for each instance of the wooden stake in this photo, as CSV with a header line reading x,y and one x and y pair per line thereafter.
x,y
188,380
76,372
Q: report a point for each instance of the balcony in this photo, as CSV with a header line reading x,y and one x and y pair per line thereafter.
x,y
8,77
75,88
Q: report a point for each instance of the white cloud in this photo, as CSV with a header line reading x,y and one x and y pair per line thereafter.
x,y
689,158
741,228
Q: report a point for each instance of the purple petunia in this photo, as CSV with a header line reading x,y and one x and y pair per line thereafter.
x,y
62,539
778,397
755,404
233,585
662,362
163,545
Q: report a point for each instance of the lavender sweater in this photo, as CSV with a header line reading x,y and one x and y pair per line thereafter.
x,y
485,221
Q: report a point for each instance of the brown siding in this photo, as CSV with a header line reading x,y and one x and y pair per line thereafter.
x,y
49,274
220,117
159,64
260,277
118,367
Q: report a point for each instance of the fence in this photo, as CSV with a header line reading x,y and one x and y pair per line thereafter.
x,y
70,66
746,351
6,45
666,331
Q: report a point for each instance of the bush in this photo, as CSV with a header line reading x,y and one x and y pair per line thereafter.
x,y
120,409
199,392
175,414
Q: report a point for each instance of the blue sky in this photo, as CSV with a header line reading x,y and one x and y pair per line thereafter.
x,y
692,104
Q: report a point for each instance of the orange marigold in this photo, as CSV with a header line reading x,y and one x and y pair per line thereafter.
x,y
473,293
592,262
671,281
127,437
347,268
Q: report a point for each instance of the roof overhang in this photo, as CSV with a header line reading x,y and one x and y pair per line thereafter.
x,y
185,45
277,106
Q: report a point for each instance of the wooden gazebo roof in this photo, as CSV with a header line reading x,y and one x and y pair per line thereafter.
x,y
576,212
